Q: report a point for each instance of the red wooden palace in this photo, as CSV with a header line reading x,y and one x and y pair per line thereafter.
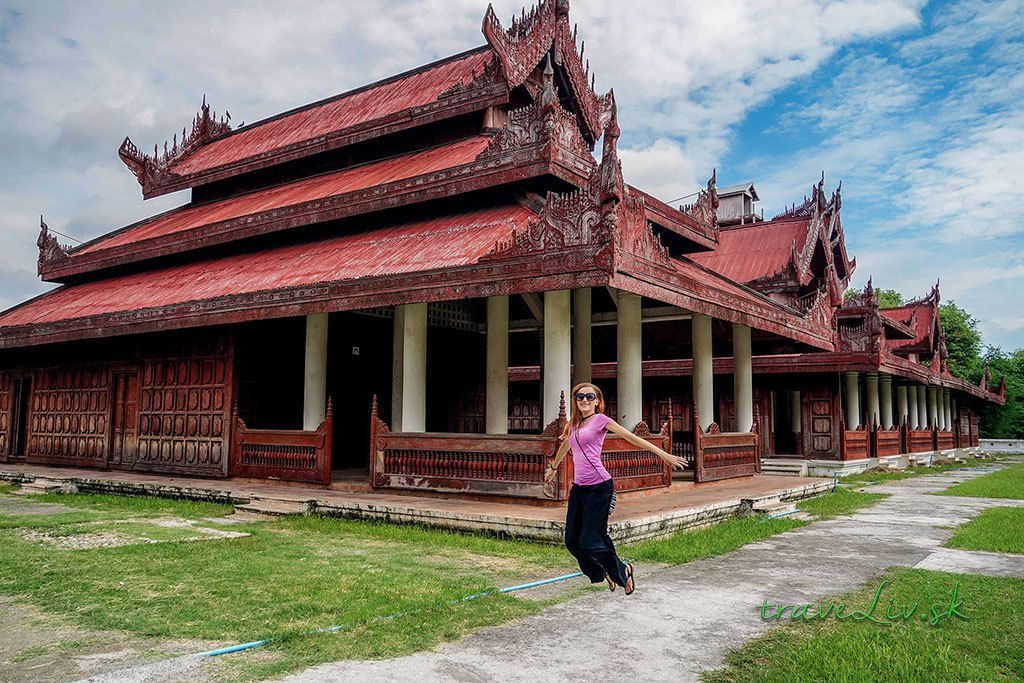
x,y
404,278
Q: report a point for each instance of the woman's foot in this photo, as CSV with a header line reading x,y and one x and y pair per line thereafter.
x,y
611,584
630,583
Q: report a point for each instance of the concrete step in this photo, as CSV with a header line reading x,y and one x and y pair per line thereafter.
x,y
784,468
774,508
274,507
43,485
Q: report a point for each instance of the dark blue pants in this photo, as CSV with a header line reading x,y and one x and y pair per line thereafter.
x,y
586,532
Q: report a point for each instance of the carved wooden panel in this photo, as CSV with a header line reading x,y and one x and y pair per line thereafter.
x,y
184,409
821,408
68,416
524,415
5,415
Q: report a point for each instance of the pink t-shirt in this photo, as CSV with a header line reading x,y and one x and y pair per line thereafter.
x,y
586,446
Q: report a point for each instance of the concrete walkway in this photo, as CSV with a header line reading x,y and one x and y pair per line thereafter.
x,y
682,620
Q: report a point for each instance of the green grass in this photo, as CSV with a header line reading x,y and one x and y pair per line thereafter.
x,y
1006,483
8,488
62,647
289,576
724,537
997,530
842,501
986,647
303,573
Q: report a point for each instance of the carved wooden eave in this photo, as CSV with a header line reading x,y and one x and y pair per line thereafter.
x,y
673,220
536,140
51,252
541,31
155,170
705,209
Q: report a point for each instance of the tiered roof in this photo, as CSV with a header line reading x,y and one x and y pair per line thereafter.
x,y
513,203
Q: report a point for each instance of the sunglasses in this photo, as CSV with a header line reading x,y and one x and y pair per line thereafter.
x,y
586,397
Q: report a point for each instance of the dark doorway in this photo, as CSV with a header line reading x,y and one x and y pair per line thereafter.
x,y
784,413
20,403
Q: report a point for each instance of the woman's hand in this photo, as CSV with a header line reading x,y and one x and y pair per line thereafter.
x,y
549,474
674,461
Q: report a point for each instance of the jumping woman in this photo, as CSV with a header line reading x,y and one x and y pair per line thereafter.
x,y
590,499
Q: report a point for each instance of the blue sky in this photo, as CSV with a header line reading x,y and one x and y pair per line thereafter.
x,y
916,107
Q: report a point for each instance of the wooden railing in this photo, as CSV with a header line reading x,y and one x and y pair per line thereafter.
x,y
944,441
920,441
724,455
855,444
289,455
886,441
506,465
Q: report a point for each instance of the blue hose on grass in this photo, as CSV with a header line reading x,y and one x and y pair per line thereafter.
x,y
331,629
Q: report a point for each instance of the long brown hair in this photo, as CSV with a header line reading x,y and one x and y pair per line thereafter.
x,y
575,416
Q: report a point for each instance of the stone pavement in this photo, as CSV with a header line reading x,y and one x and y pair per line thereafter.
x,y
682,620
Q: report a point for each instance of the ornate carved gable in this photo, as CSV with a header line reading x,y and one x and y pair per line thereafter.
x,y
541,31
50,250
149,169
542,121
705,209
591,215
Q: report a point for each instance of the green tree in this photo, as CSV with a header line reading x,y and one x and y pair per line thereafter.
x,y
1006,422
963,342
887,298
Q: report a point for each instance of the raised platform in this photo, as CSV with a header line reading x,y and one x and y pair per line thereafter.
x,y
652,514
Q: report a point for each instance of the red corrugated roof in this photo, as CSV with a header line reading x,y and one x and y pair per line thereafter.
x,y
925,325
310,189
760,250
375,101
441,242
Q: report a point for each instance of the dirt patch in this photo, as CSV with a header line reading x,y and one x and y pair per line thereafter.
x,y
13,505
79,536
38,648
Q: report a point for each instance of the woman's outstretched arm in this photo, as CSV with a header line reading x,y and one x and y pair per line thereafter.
x,y
549,473
673,461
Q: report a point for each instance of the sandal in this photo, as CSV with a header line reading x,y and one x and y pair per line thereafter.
x,y
630,583
611,584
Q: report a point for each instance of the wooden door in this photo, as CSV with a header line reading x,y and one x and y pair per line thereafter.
x,y
124,442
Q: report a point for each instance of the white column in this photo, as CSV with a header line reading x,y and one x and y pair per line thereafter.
x,y
902,406
922,407
796,423
871,389
314,388
742,378
852,401
581,339
557,351
933,407
409,369
497,365
629,396
913,405
947,412
885,400
703,370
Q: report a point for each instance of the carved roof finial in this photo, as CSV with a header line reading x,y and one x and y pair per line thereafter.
x,y
50,249
548,95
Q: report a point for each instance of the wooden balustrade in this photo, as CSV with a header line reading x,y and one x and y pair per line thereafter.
x,y
944,441
920,441
724,455
289,455
886,442
507,465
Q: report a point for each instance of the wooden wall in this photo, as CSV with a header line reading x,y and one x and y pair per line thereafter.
x,y
158,403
